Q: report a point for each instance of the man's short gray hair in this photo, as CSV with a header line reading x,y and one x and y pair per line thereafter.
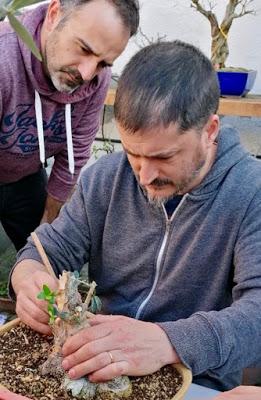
x,y
128,11
164,83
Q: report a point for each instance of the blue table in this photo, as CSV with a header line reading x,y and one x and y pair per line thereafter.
x,y
197,392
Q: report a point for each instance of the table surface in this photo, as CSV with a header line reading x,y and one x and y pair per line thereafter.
x,y
249,106
197,392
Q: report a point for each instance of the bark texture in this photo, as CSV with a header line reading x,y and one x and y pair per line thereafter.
x,y
219,31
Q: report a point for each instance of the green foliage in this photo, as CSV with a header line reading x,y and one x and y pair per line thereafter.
x,y
9,9
49,296
106,147
3,289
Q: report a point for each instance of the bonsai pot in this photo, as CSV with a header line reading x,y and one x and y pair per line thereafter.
x,y
181,369
7,305
236,82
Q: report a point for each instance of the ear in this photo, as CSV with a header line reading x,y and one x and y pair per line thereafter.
x,y
53,15
212,129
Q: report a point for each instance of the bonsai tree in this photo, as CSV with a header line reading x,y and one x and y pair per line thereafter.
x,y
9,9
219,31
68,314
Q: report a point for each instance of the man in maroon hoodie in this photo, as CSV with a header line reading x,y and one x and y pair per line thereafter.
x,y
52,108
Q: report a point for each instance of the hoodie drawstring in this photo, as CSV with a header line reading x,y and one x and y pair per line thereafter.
x,y
39,124
68,126
40,131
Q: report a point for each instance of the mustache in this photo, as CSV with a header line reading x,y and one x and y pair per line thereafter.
x,y
160,182
74,74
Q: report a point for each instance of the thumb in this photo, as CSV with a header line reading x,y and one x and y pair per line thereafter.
x,y
6,395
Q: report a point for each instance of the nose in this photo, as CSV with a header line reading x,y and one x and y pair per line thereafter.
x,y
147,172
88,68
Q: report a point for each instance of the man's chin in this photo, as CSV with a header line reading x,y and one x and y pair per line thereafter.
x,y
157,199
63,86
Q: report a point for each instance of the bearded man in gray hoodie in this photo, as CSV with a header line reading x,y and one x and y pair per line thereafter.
x,y
53,108
171,230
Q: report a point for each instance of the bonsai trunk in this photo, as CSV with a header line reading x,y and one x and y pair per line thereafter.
x,y
219,49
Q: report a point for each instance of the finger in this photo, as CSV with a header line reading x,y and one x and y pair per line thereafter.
x,y
38,311
99,364
46,279
85,336
85,368
87,352
84,353
109,372
34,324
6,395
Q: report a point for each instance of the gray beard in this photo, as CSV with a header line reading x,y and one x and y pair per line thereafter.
x,y
157,201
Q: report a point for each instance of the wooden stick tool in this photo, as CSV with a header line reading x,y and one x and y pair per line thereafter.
x,y
43,254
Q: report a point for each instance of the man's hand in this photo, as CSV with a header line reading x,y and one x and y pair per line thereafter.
x,y
28,279
117,345
241,393
6,395
51,211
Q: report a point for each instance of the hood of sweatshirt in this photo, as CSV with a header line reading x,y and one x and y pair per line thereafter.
x,y
229,153
33,21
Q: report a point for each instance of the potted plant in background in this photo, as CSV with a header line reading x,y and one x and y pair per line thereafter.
x,y
233,81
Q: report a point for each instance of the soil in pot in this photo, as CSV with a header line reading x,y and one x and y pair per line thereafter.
x,y
23,351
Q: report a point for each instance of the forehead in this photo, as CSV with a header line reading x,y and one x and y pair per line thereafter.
x,y
157,140
100,25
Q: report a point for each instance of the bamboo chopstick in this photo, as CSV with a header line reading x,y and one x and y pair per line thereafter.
x,y
43,254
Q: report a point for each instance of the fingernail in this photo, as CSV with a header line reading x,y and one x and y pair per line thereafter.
x,y
72,373
65,364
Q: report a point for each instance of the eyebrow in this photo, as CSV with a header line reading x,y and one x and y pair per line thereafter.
x,y
165,154
88,47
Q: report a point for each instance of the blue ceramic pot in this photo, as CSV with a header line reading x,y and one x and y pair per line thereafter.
x,y
236,83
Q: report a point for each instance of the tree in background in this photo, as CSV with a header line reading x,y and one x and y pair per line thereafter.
x,y
219,32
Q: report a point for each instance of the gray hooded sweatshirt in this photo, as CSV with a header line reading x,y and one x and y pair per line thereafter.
x,y
197,274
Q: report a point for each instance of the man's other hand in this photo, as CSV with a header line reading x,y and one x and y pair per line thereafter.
x,y
28,279
241,393
52,209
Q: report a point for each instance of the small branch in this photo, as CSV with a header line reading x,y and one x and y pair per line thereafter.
x,y
146,40
90,293
207,13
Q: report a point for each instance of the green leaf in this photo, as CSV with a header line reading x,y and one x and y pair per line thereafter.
x,y
47,290
52,311
16,4
24,35
41,296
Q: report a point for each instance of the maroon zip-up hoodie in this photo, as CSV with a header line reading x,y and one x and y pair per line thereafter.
x,y
22,74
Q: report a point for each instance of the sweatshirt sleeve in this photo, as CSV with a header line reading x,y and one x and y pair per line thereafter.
x,y
61,181
228,340
67,240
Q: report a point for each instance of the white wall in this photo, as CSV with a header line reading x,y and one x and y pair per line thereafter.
x,y
177,20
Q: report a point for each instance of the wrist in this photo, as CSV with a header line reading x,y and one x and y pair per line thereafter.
x,y
169,354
